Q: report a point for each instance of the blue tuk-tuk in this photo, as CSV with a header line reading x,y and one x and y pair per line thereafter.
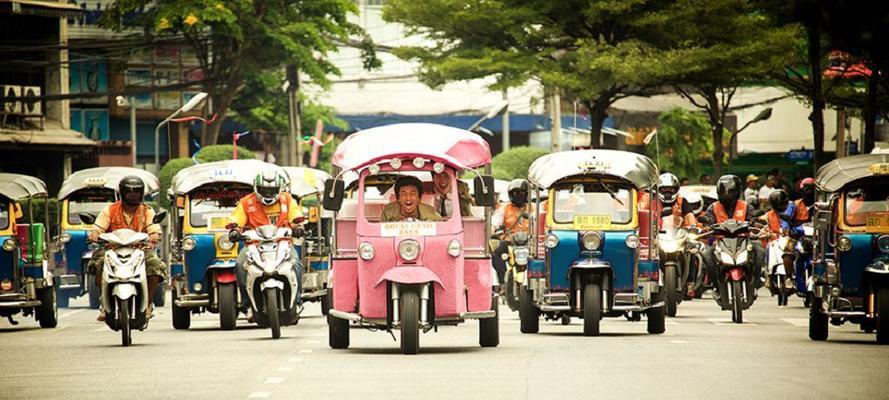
x,y
88,191
203,260
851,279
26,281
307,185
595,247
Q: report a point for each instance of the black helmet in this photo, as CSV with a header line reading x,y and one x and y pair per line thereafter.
x,y
667,188
518,192
728,189
131,190
778,200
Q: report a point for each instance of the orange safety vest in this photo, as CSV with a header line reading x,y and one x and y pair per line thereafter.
x,y
256,215
511,215
774,222
740,214
119,221
802,211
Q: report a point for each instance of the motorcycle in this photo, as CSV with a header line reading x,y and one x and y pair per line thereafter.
x,y
804,268
272,284
781,281
516,258
124,290
697,273
733,251
674,262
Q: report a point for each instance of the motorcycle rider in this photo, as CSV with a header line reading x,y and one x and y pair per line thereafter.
x,y
781,222
508,219
669,197
696,203
130,212
269,204
805,205
729,205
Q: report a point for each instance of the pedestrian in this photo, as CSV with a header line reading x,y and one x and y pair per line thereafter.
x,y
705,180
684,181
751,193
766,190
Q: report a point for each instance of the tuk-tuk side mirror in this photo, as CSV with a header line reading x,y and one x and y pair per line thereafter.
x,y
483,191
159,217
88,219
180,202
334,191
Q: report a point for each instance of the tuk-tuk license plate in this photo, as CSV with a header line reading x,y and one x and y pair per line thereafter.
x,y
217,223
878,224
592,222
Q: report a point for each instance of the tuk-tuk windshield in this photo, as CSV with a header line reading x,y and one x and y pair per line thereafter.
x,y
88,201
867,202
592,199
380,194
4,215
213,204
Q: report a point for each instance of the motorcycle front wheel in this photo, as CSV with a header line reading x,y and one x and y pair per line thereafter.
x,y
123,321
737,302
512,296
670,280
271,306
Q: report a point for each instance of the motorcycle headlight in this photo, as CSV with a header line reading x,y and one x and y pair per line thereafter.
x,y
591,240
742,257
224,244
65,237
632,241
883,244
454,248
668,246
551,241
409,250
726,258
9,245
188,243
844,243
366,251
521,256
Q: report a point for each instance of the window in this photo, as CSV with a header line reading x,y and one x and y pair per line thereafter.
x,y
868,202
4,215
89,201
216,204
609,201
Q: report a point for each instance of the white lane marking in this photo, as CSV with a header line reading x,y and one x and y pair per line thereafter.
x,y
259,395
305,351
727,322
678,341
274,380
801,322
312,342
295,359
70,313
285,369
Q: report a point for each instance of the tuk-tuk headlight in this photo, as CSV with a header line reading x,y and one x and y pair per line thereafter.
x,y
521,255
366,251
551,241
224,244
188,243
591,240
632,241
9,245
65,237
455,248
409,250
844,243
883,244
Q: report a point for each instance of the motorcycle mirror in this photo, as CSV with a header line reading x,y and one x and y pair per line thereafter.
x,y
159,217
483,191
334,192
87,218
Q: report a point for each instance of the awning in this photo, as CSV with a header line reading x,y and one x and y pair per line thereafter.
x,y
49,9
52,135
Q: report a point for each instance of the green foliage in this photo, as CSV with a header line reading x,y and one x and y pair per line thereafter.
x,y
219,152
170,169
216,152
514,163
684,140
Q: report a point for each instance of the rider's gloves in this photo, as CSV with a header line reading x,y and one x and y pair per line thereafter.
x,y
234,235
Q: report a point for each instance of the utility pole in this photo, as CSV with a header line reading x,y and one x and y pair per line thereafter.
x,y
293,153
556,114
133,127
506,122
841,133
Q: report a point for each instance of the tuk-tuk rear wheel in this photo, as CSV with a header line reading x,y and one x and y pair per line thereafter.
x,y
592,309
656,323
325,304
529,315
93,292
48,311
817,321
489,328
883,315
181,315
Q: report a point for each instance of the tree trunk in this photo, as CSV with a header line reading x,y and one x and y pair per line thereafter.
x,y
717,128
211,134
598,113
813,34
870,112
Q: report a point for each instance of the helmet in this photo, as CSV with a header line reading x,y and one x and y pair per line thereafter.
x,y
267,185
131,190
807,187
778,200
518,192
728,189
695,201
667,188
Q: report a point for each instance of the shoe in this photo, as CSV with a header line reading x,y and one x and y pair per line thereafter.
x,y
250,315
149,312
101,316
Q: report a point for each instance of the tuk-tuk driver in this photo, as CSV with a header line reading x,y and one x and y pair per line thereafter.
x,y
129,213
407,204
269,204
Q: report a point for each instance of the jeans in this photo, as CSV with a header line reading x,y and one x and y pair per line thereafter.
x,y
241,273
716,276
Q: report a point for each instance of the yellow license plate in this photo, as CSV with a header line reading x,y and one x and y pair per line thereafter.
x,y
592,222
217,223
878,224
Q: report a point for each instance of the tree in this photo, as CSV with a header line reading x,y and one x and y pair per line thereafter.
x,y
234,40
217,152
514,163
585,49
682,141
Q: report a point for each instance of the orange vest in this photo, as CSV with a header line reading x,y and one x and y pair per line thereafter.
x,y
511,215
119,221
256,215
774,222
740,214
677,207
802,211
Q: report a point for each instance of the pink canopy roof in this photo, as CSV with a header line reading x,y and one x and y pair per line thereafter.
x,y
459,148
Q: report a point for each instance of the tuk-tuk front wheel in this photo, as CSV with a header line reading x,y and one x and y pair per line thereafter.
x,y
181,315
817,321
93,292
883,315
529,315
47,312
489,328
592,309
410,321
656,316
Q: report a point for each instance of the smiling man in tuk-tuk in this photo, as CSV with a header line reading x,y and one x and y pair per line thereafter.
x,y
129,213
441,191
407,204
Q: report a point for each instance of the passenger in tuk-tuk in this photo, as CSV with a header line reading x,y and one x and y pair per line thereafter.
x,y
669,197
507,220
130,212
264,207
441,189
407,204
730,205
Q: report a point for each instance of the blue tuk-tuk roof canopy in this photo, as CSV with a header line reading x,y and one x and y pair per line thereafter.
x,y
838,173
16,186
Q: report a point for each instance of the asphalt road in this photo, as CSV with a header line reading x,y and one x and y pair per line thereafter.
x,y
702,355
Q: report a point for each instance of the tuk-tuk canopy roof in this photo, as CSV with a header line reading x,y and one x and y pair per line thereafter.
x,y
16,186
106,177
459,148
305,181
635,168
842,171
227,171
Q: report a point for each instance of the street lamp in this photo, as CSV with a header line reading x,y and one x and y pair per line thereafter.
x,y
495,111
762,116
194,101
131,103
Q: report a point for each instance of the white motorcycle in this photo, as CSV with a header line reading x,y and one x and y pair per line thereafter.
x,y
272,284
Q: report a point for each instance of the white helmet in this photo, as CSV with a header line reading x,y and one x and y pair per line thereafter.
x,y
267,185
667,188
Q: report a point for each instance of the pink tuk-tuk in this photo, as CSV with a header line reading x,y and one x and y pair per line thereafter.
x,y
410,274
